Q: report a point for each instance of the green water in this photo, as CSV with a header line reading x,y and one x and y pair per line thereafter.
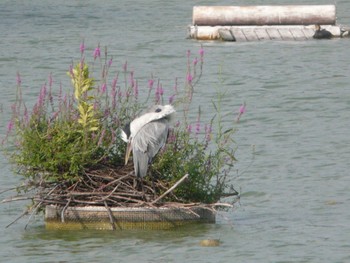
x,y
293,143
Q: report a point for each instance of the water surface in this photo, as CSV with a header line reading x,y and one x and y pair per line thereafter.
x,y
293,143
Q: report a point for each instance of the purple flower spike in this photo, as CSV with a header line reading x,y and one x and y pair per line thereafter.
x,y
189,128
97,52
114,82
198,127
159,92
71,72
171,137
82,48
208,130
136,90
171,99
188,53
201,52
42,96
189,78
103,88
10,126
110,62
150,83
241,111
50,80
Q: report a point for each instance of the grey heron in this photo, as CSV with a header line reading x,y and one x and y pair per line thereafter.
x,y
146,135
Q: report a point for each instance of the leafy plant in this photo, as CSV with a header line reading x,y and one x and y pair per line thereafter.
x,y
67,134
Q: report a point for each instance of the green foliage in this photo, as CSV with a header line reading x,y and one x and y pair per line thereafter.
x,y
181,158
82,84
66,134
188,153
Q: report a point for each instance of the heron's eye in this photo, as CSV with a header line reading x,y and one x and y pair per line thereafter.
x,y
158,110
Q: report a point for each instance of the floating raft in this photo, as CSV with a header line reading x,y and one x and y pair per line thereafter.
x,y
254,23
118,218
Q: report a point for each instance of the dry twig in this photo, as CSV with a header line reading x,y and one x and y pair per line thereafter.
x,y
107,187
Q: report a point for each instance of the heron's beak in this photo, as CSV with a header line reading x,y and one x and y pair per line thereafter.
x,y
128,151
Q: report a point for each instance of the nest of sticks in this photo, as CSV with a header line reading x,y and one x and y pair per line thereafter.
x,y
108,187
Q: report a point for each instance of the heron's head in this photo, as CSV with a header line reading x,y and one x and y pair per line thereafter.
x,y
125,132
157,112
317,27
163,109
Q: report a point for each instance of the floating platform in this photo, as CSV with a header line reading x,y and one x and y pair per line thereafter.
x,y
257,33
121,218
255,23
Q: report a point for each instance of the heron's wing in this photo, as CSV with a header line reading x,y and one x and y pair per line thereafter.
x,y
146,144
151,137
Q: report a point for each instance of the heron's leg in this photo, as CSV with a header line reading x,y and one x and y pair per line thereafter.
x,y
142,188
134,180
153,186
135,183
141,184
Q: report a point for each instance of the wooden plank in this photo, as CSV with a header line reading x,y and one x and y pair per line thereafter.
x,y
250,34
308,32
264,15
226,35
274,34
238,34
262,34
298,34
255,33
285,34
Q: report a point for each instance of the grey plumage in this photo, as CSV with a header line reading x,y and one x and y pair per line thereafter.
x,y
147,134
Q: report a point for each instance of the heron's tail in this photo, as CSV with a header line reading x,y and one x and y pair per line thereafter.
x,y
141,161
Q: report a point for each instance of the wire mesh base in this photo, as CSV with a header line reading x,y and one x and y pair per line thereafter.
x,y
97,217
